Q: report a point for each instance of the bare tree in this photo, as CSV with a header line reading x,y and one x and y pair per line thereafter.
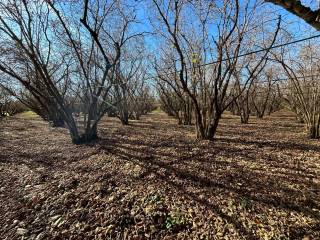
x,y
61,61
242,96
176,105
142,99
4,103
303,90
8,104
173,98
24,32
130,79
208,86
266,97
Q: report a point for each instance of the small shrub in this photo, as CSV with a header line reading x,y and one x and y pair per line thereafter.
x,y
245,203
175,221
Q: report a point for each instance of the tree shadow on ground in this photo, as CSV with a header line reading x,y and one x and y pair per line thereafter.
x,y
212,176
281,145
230,169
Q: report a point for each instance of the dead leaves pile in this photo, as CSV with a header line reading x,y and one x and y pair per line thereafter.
x,y
151,180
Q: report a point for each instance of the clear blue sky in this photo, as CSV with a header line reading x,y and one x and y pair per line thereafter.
x,y
297,27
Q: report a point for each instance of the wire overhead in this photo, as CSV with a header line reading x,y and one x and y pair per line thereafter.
x,y
258,51
262,50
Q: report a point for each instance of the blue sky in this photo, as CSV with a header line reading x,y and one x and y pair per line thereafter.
x,y
297,27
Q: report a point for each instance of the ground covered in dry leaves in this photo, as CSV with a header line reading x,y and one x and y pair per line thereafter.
x,y
152,180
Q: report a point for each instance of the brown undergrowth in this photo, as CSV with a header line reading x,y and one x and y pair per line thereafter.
x,y
152,180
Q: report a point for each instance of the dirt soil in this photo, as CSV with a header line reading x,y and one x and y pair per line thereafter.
x,y
153,180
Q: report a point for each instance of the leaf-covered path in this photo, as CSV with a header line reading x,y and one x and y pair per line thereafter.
x,y
152,180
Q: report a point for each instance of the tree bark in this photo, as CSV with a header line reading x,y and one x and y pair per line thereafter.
x,y
298,9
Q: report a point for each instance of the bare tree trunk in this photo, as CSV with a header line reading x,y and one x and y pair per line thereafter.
x,y
314,128
200,130
212,129
56,121
124,117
